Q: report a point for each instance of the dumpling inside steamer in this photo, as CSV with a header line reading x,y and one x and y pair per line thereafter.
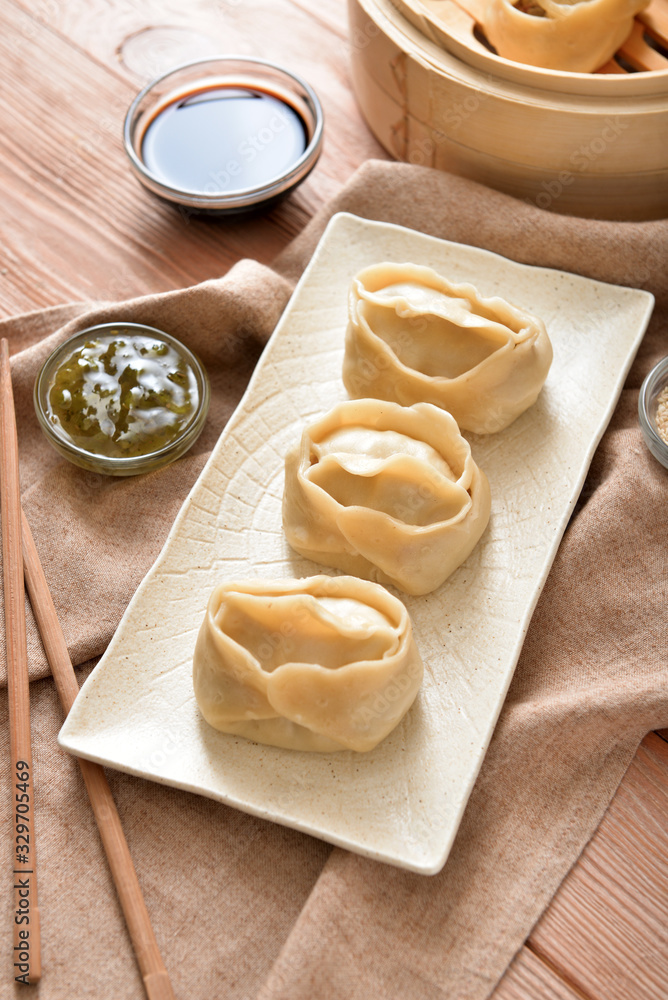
x,y
306,664
576,37
412,336
386,492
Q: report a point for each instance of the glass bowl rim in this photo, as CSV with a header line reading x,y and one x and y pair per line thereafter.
x,y
132,461
241,197
654,382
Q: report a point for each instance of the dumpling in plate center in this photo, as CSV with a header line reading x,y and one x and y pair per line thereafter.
x,y
331,629
388,472
386,492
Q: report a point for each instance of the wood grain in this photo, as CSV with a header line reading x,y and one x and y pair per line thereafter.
x,y
65,161
481,119
78,225
639,54
655,19
530,978
606,929
74,224
308,39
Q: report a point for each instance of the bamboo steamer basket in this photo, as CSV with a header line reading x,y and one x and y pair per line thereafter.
x,y
587,144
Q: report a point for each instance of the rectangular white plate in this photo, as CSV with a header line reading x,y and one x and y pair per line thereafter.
x,y
402,802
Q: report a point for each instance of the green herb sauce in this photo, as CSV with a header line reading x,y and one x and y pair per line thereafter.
x,y
123,396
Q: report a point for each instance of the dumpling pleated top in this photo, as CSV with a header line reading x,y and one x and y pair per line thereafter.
x,y
412,337
576,37
323,663
386,492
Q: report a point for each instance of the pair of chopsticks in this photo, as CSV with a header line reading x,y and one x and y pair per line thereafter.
x,y
22,567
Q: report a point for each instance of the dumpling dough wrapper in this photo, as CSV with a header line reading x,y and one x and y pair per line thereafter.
x,y
386,492
323,663
576,37
414,337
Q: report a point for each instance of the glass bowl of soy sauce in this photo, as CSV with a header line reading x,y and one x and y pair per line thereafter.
x,y
224,135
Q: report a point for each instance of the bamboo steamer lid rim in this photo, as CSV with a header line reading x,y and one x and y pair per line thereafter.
x,y
435,30
415,94
435,60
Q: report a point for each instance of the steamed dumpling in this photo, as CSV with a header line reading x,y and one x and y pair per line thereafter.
x,y
386,492
414,337
577,37
324,663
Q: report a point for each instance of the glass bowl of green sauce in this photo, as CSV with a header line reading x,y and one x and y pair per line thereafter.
x,y
122,398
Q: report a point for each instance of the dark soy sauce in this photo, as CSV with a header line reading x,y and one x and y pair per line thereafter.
x,y
223,139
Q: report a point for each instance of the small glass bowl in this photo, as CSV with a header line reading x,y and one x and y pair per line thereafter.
x,y
118,466
230,71
647,410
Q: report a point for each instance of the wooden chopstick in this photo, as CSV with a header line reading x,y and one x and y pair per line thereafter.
x,y
26,953
154,974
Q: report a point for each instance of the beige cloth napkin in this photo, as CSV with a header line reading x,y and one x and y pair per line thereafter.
x,y
243,908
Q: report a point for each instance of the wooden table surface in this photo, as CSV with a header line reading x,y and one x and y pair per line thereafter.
x,y
76,225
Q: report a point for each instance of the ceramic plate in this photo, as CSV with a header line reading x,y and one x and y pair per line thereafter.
x,y
402,802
